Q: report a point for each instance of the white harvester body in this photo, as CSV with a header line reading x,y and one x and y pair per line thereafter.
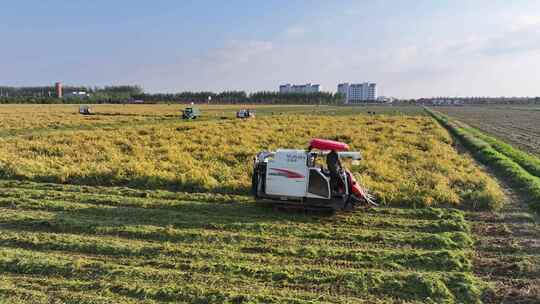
x,y
287,173
290,175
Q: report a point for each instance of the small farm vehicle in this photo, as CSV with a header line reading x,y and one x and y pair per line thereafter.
x,y
245,113
85,110
191,113
292,178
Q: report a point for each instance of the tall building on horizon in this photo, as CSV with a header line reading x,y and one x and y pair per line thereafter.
x,y
59,90
303,88
358,92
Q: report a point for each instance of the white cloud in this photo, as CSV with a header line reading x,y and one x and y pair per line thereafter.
x,y
519,35
475,64
354,11
522,21
524,39
295,31
237,52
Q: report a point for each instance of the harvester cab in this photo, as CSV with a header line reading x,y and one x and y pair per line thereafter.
x,y
191,113
293,178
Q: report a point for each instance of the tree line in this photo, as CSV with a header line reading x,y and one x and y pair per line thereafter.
x,y
127,94
48,94
232,97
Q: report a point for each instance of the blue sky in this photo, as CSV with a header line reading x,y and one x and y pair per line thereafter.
x,y
410,48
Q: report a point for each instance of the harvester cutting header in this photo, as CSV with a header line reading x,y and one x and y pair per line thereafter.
x,y
294,178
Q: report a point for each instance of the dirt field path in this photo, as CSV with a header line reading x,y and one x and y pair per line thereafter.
x,y
507,254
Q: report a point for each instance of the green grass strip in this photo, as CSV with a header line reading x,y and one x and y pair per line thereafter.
x,y
524,159
506,165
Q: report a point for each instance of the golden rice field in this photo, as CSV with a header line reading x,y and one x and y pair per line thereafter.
x,y
28,117
23,119
36,117
133,205
408,160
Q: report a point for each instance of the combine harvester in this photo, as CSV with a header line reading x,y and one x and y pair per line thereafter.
x,y
292,179
245,114
191,113
85,110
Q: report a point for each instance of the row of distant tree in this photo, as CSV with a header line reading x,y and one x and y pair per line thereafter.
x,y
48,94
127,94
130,94
231,97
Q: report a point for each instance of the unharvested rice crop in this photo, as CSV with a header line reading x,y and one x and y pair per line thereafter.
x,y
31,118
408,160
19,118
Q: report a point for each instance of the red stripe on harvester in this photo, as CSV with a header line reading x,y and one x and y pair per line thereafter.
x,y
289,173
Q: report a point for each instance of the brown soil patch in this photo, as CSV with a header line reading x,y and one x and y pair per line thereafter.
x,y
507,254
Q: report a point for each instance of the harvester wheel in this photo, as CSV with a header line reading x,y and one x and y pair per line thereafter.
x,y
255,184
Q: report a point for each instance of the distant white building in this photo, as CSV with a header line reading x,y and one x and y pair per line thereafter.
x,y
385,99
303,88
76,94
358,92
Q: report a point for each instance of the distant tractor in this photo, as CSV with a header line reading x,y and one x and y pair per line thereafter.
x,y
191,113
85,110
245,113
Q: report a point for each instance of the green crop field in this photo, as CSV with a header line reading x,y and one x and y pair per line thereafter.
x,y
133,205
